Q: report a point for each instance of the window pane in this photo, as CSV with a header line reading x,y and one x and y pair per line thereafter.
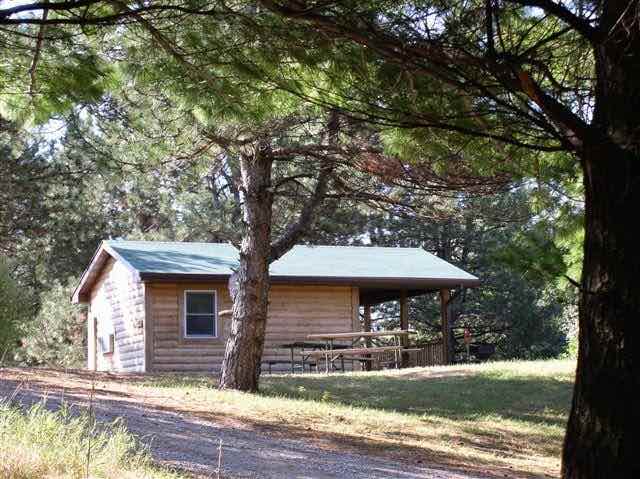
x,y
200,324
200,303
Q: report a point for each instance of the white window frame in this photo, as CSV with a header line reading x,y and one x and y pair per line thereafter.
x,y
111,343
215,314
107,343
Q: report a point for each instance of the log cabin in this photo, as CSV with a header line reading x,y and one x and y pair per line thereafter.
x,y
159,306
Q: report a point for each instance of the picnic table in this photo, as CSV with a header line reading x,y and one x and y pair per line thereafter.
x,y
333,352
305,347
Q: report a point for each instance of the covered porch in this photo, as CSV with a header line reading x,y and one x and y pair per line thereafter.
x,y
437,352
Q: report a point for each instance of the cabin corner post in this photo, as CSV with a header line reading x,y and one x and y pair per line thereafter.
x,y
92,342
148,329
445,296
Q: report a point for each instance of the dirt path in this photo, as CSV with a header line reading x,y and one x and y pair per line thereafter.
x,y
188,440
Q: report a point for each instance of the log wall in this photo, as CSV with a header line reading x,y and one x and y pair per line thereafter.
x,y
117,306
294,312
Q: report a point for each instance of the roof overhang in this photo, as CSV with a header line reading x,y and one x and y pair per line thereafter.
x,y
374,289
399,283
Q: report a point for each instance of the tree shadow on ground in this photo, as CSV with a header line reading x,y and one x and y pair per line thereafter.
x,y
505,415
188,440
534,399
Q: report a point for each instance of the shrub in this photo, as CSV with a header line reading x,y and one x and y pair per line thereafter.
x,y
55,337
15,309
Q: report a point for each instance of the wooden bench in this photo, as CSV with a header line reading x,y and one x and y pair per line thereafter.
x,y
272,362
388,362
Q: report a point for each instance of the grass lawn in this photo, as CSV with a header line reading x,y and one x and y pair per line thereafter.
x,y
502,418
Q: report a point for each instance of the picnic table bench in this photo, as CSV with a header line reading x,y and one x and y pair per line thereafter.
x,y
305,347
324,346
274,362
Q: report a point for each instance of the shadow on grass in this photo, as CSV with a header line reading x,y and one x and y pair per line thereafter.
x,y
186,444
538,400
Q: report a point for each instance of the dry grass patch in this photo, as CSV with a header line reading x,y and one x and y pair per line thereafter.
x,y
37,443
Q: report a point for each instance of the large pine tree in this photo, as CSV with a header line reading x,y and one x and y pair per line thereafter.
x,y
498,77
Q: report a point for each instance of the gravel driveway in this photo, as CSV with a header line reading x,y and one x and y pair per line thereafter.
x,y
190,442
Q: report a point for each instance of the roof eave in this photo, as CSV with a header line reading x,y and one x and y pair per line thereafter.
x,y
81,293
78,295
399,282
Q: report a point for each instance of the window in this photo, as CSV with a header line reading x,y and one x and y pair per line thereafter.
x,y
200,314
107,343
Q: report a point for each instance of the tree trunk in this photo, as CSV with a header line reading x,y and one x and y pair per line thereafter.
x,y
601,435
249,286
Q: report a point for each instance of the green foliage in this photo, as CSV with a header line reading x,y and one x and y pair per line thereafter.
x,y
135,158
520,304
55,337
534,253
21,207
16,308
65,71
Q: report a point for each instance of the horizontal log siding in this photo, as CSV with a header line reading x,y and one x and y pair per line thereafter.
x,y
294,312
117,302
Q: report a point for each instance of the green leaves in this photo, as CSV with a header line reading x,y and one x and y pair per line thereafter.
x,y
534,253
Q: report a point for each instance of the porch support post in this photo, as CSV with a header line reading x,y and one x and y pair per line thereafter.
x,y
367,327
445,295
367,317
404,313
404,325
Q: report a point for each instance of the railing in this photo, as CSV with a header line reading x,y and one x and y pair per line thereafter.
x,y
430,354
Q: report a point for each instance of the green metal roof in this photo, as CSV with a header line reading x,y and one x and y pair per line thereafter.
x,y
309,262
177,258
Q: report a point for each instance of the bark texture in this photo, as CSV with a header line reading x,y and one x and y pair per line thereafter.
x,y
601,433
249,286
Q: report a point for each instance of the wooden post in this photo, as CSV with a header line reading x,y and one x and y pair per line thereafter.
x,y
445,295
367,328
404,316
367,317
404,325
